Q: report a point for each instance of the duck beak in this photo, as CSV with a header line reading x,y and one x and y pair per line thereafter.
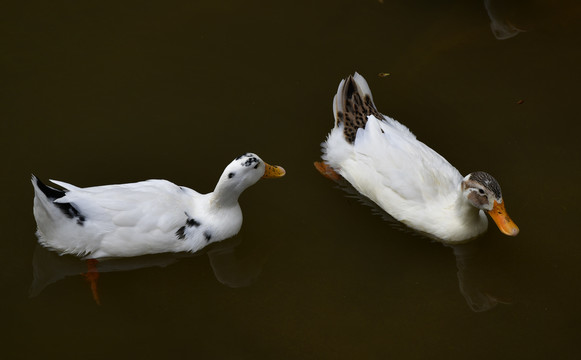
x,y
502,220
271,171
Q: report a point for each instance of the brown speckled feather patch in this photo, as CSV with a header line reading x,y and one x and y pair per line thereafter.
x,y
354,110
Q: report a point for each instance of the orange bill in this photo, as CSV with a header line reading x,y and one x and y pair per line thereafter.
x,y
273,171
502,220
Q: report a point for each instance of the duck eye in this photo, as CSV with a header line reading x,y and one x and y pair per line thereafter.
x,y
481,191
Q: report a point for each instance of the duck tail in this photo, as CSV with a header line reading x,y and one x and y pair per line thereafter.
x,y
47,196
49,192
352,104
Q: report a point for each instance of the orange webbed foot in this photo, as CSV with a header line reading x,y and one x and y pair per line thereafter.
x,y
92,275
327,171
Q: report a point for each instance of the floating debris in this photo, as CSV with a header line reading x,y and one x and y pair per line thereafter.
x,y
383,74
520,102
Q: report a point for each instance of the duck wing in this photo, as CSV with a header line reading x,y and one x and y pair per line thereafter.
x,y
113,220
401,163
149,205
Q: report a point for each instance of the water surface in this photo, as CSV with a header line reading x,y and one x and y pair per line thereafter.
x,y
106,92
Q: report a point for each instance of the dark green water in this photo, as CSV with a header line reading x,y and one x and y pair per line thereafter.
x,y
97,93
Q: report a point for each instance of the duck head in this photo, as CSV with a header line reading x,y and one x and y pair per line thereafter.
x,y
241,173
483,192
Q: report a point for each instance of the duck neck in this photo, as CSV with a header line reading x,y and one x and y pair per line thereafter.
x,y
473,218
225,195
465,209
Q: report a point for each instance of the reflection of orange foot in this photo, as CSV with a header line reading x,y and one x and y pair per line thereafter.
x,y
327,171
92,275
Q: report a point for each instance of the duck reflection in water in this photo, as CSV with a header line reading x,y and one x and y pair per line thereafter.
x,y
471,276
501,27
228,265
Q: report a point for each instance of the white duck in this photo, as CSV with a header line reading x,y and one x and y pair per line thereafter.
x,y
385,162
147,217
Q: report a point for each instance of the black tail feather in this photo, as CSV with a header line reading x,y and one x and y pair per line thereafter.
x,y
48,191
53,194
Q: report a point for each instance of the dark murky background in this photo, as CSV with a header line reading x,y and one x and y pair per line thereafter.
x,y
109,92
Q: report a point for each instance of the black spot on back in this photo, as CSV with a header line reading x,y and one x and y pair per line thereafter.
x,y
192,222
80,219
207,235
71,212
181,233
231,175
